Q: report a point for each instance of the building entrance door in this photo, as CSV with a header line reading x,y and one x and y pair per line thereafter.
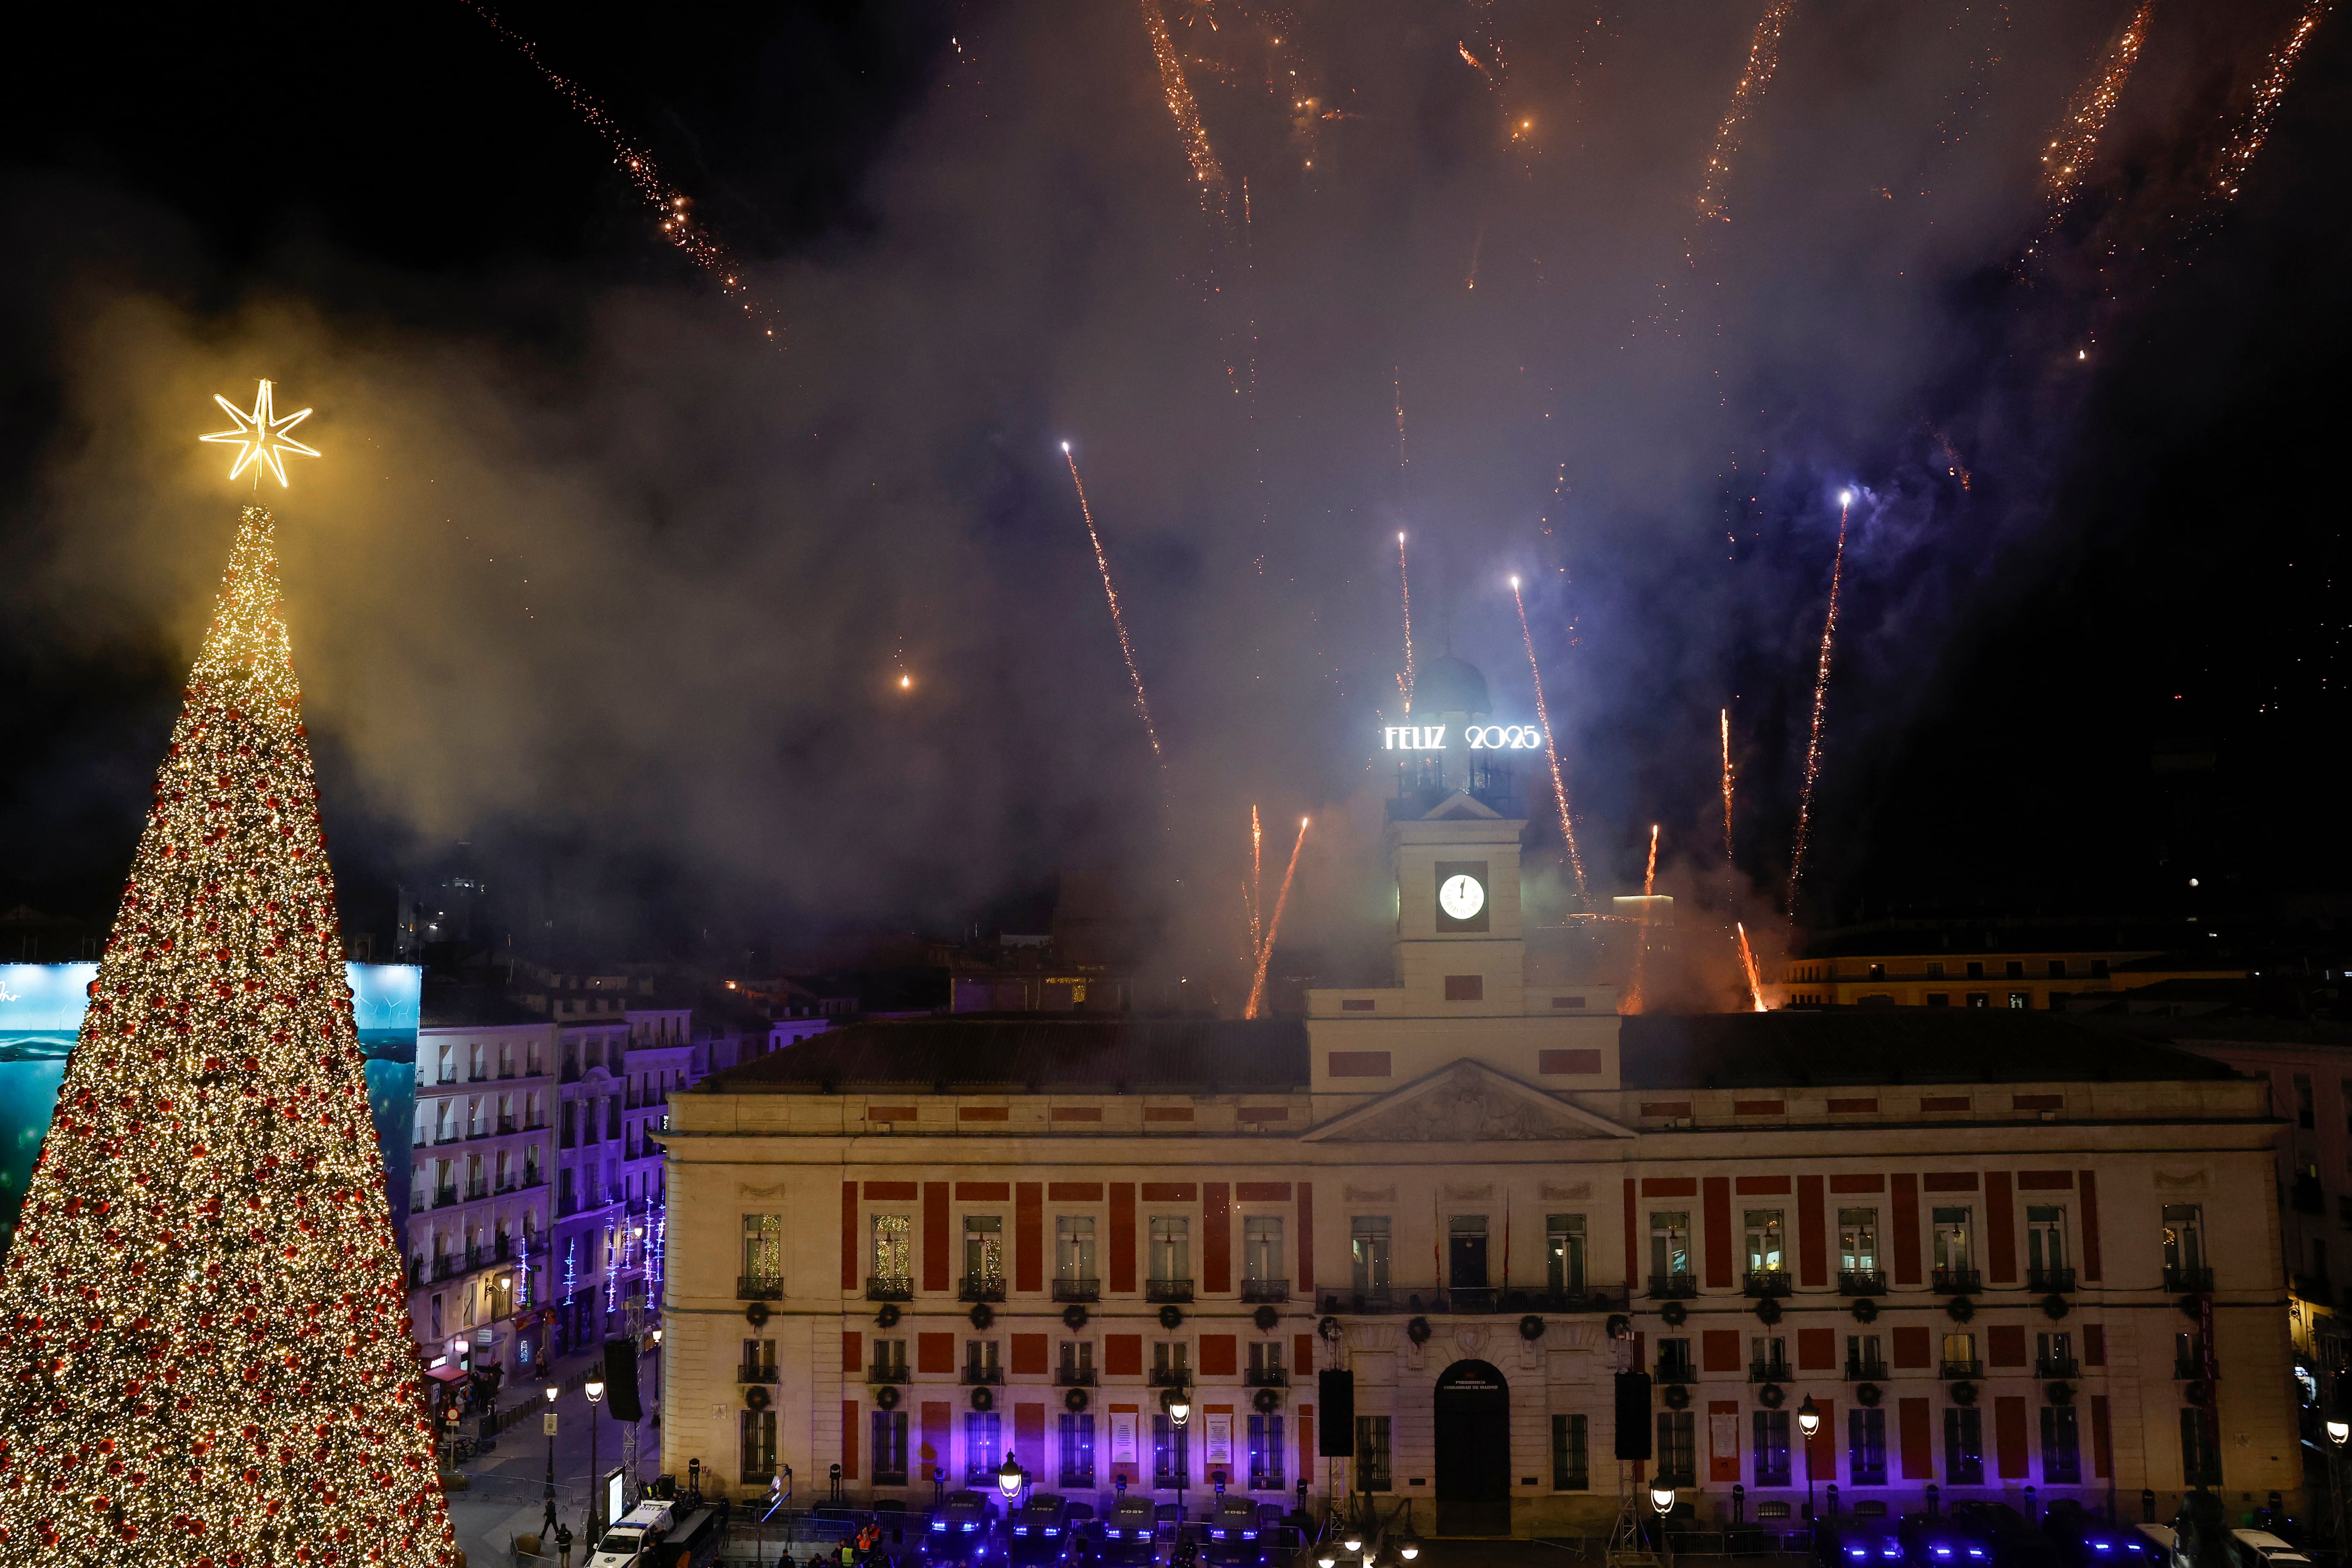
x,y
1473,1450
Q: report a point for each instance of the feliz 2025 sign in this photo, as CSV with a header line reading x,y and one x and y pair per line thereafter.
x,y
1477,736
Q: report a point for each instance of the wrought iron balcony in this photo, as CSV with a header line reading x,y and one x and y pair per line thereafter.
x,y
1266,1290
887,1372
1955,1368
1676,1369
2189,1368
760,1372
1768,1282
1866,1369
2051,1281
2315,1288
981,1288
2196,1278
1266,1377
1681,1287
1862,1281
1168,1290
1767,1371
758,1287
978,1371
1171,1377
2057,1367
1076,1288
1074,1378
890,1288
1959,1282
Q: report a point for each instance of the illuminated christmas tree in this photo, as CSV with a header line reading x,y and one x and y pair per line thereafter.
x,y
208,1358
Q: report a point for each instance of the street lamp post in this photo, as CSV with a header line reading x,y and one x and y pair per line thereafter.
x,y
552,1391
1809,1421
1180,1410
595,1392
657,1334
1662,1502
2337,1432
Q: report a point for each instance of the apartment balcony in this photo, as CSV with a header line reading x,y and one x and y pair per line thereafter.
x,y
1265,1290
2051,1281
1076,1288
2188,1369
2197,1279
1168,1290
1767,1371
1373,1301
2315,1289
1950,1368
1866,1369
981,1288
417,1268
476,1191
1171,1377
566,1206
1862,1281
1675,1370
1266,1377
758,1287
2050,1366
892,1372
890,1288
1074,1378
980,1373
508,1125
419,1200
1768,1282
1959,1282
1673,1287
442,1197
760,1373
445,1267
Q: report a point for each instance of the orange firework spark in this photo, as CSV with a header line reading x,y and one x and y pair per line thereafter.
x,y
2270,90
1763,59
1953,465
2071,149
633,159
1479,66
1821,705
1748,961
1257,985
1404,584
1551,753
1257,872
1206,170
1726,786
1650,876
1118,617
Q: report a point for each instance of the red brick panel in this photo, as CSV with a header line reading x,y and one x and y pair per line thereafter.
x,y
983,1112
2009,1436
849,1440
1723,1465
1670,1187
1853,1181
1632,1241
1903,1233
2090,1217
1302,1356
1029,1237
935,1353
1122,1236
1865,1105
1029,1434
1821,1447
937,1419
1122,1356
1171,1192
1760,1185
1028,1355
1813,1241
983,1192
1306,1245
1167,1112
1760,1107
1912,1431
2094,1344
1075,1191
1218,1356
1307,1455
1950,1181
1672,1110
1817,1350
1718,1203
1913,1347
1358,1064
1217,1240
853,1353
2001,1230
849,1235
1718,1350
890,1191
1262,1113
1567,1061
2037,1102
1076,1113
936,1240
2044,1181
1262,1192
2103,1445
2005,1344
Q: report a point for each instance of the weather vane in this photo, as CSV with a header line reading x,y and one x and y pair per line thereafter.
x,y
261,436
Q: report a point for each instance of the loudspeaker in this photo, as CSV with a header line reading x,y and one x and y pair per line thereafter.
x,y
621,1380
1335,1435
1633,1414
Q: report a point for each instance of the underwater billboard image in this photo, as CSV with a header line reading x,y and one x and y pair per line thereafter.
x,y
40,1015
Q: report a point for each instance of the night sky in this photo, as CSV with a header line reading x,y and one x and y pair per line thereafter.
x,y
599,580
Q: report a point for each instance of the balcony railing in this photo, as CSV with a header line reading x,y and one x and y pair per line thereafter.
x,y
2196,1278
2189,1368
981,1288
975,1372
1862,1281
1676,1369
1959,1282
1074,1378
887,1372
1767,1371
1952,1367
442,1197
1076,1288
1673,1287
1768,1282
2057,1367
890,1288
2315,1289
1171,1377
758,1287
1866,1369
1265,1290
1167,1289
1266,1377
759,1372
2058,1282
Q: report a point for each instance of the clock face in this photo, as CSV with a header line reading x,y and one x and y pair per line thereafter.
x,y
1461,896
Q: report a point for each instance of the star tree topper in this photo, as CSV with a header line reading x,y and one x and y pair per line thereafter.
x,y
261,435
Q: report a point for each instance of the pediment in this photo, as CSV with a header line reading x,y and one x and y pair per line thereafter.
x,y
1467,1102
1463,804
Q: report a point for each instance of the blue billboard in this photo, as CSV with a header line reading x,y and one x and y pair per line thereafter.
x,y
40,1015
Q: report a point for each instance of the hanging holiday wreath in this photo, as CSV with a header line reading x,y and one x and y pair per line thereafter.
x,y
2062,1393
1617,1325
1767,1311
1771,1397
1328,1328
756,1314
1531,1328
2197,1393
1964,1393
888,1317
885,1397
1265,1400
2054,1306
1171,1316
1959,1308
1864,1309
1677,1397
984,1399
1867,1393
983,1314
1417,1331
1074,1400
1674,1312
1265,1318
1074,1317
755,1397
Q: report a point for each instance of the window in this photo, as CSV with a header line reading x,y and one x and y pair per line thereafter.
x,y
2057,968
980,1363
1564,1253
2062,1449
893,1255
1265,1468
1978,998
1262,1247
1975,969
2184,1238
1170,1458
2054,1355
1878,971
1372,1454
760,1354
2015,969
1936,968
1963,1446
2046,1245
1571,1466
1951,1227
1465,1252
1959,1355
1772,1447
1368,1250
1172,1247
1677,1451
1940,999
1073,1247
2306,1113
1077,1361
890,1428
1171,1359
1078,1450
759,1447
1670,1243
2200,1453
1265,1363
1863,1358
1675,1364
891,1356
2018,1001
763,1247
983,1449
1764,1242
1867,1448
1767,1356
984,1252
1858,1241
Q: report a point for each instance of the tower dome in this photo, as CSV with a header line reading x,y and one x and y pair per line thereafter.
x,y
1447,685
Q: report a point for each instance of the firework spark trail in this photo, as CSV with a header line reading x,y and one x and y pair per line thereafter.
x,y
1493,82
1256,881
1273,929
1207,172
1726,787
2070,151
1821,705
1954,467
1405,586
1551,753
1118,617
2270,90
1747,962
1650,875
635,160
1763,60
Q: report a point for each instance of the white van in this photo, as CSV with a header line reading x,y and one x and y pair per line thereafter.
x,y
630,1536
2261,1549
